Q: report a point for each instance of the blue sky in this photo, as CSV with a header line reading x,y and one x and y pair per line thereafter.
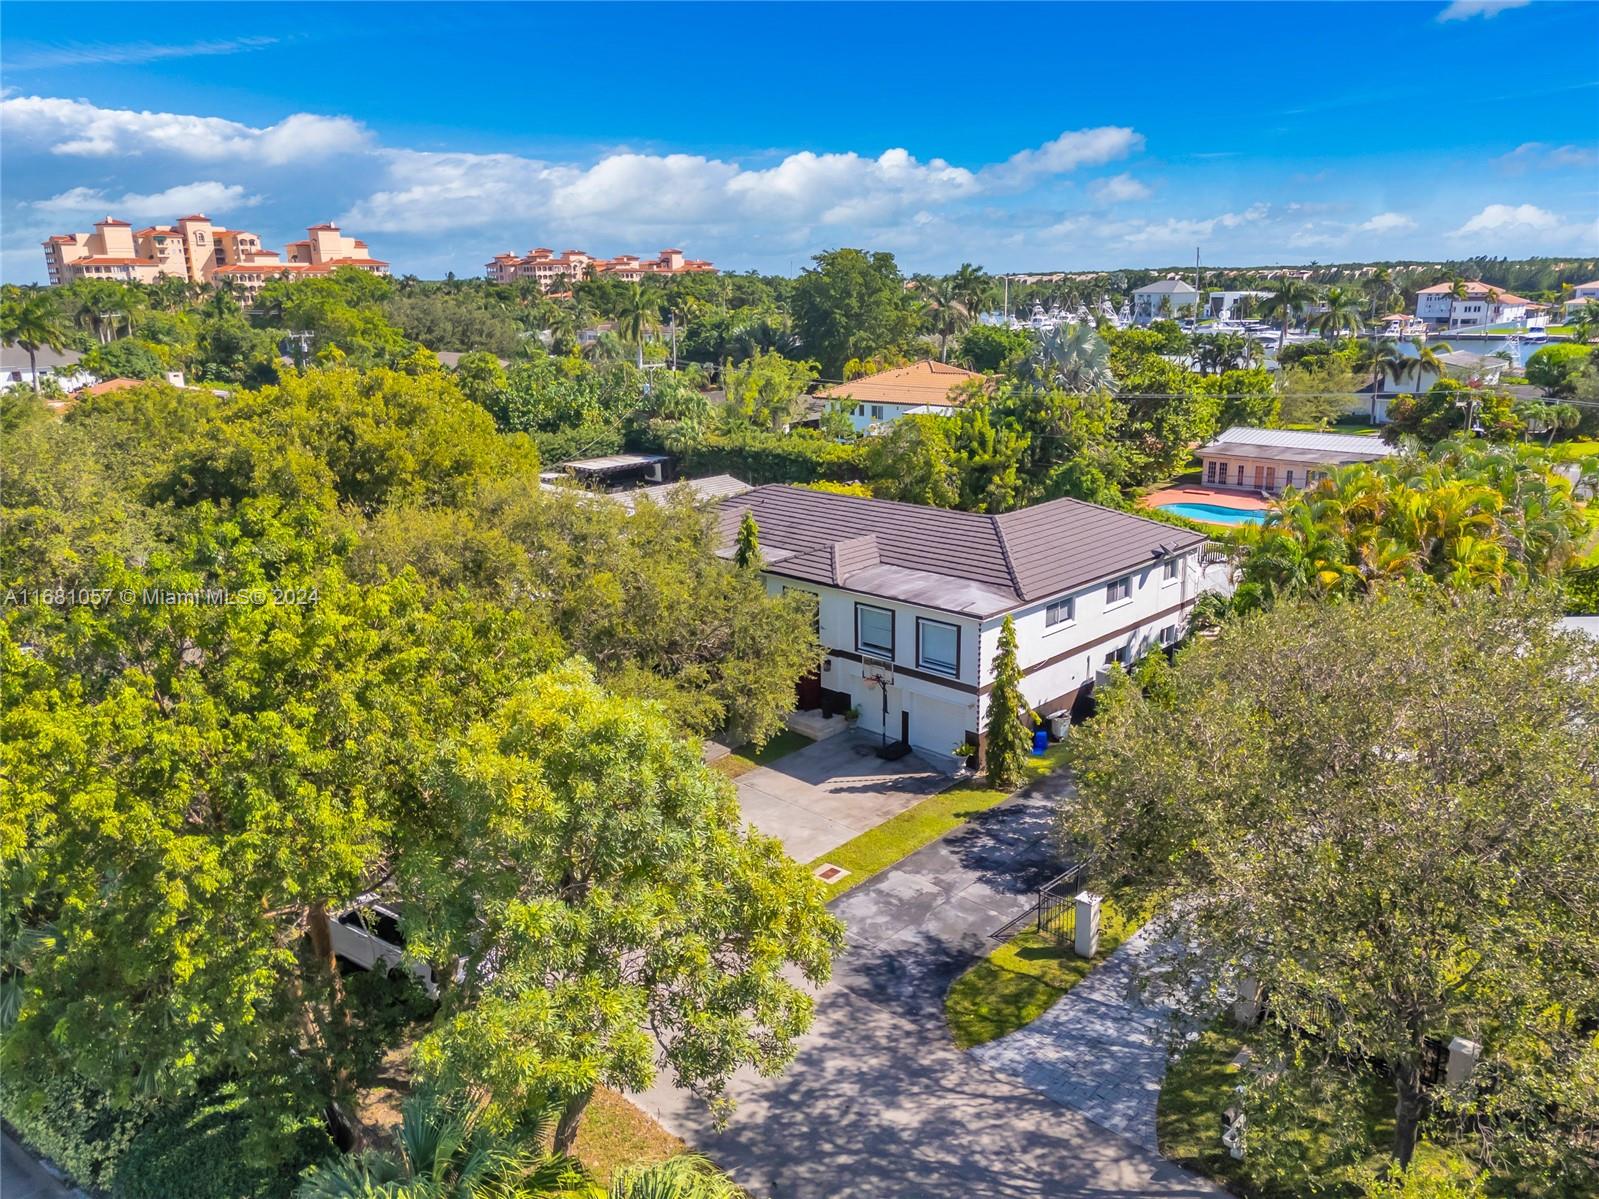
x,y
1017,136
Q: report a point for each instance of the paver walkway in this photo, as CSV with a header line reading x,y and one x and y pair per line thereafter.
x,y
1101,1049
878,1102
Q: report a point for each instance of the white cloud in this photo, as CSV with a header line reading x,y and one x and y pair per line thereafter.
x,y
1534,156
204,196
105,53
1080,148
428,191
1509,218
76,127
1464,10
1387,222
1118,188
1175,231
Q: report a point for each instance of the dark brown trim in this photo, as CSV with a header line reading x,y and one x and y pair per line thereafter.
x,y
893,630
920,621
1085,646
943,680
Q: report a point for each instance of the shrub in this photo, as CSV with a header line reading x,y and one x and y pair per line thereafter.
x,y
1554,368
196,1151
758,457
1582,591
74,1125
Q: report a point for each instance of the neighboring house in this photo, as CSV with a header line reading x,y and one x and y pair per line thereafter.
x,y
1249,459
61,365
1220,304
1474,370
913,597
1164,300
881,399
1482,305
1582,295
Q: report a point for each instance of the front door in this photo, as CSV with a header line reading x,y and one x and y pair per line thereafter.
x,y
810,692
905,726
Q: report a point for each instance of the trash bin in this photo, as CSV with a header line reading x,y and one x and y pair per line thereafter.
x,y
1060,724
1040,742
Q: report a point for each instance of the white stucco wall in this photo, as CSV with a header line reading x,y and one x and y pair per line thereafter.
x,y
943,712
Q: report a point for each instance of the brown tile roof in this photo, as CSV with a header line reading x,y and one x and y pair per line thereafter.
x,y
956,561
105,260
95,389
926,382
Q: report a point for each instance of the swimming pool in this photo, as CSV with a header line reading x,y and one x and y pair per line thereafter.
x,y
1215,514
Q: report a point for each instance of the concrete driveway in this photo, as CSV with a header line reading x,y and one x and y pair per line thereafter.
x,y
878,1103
832,791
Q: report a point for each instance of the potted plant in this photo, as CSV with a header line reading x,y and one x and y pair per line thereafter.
x,y
968,752
852,714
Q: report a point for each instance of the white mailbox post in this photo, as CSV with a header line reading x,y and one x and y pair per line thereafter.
x,y
1086,941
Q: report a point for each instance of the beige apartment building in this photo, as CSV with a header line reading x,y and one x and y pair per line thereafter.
x,y
547,269
199,251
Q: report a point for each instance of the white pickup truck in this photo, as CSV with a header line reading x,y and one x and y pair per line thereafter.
x,y
368,935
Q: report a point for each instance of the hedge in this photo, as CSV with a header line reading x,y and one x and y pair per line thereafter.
x,y
774,458
194,1149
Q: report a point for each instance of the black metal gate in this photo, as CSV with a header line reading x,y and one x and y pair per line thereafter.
x,y
1053,910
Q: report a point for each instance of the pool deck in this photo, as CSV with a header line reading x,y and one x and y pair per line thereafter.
x,y
1191,493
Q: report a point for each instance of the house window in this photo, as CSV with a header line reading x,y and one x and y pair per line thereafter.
x,y
1170,567
938,646
1119,654
1240,474
874,631
877,412
1210,471
1288,479
1168,635
1119,589
1060,612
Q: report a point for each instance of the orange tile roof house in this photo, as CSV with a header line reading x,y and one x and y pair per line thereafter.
x,y
546,268
200,251
1483,304
919,389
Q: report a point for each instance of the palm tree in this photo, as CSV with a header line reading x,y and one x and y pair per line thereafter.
x,y
1291,295
33,323
947,314
1428,358
442,1150
687,1176
1343,312
637,316
1078,361
1387,361
973,288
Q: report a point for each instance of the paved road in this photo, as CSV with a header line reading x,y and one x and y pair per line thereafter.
x,y
878,1103
23,1178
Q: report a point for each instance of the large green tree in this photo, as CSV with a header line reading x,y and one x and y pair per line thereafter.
x,y
1007,739
605,903
1385,814
851,304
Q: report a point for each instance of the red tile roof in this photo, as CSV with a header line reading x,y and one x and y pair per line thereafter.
x,y
95,389
113,261
109,221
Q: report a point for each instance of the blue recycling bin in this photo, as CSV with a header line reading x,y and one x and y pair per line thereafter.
x,y
1040,742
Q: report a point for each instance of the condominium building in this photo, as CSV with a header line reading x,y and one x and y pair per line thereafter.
x,y
196,249
1480,305
547,268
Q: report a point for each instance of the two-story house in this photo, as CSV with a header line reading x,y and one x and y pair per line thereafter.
x,y
910,601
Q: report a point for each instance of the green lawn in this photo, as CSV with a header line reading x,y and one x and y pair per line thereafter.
x,y
746,757
1021,979
915,827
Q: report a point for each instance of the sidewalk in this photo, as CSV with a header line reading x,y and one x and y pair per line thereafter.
x,y
1101,1049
